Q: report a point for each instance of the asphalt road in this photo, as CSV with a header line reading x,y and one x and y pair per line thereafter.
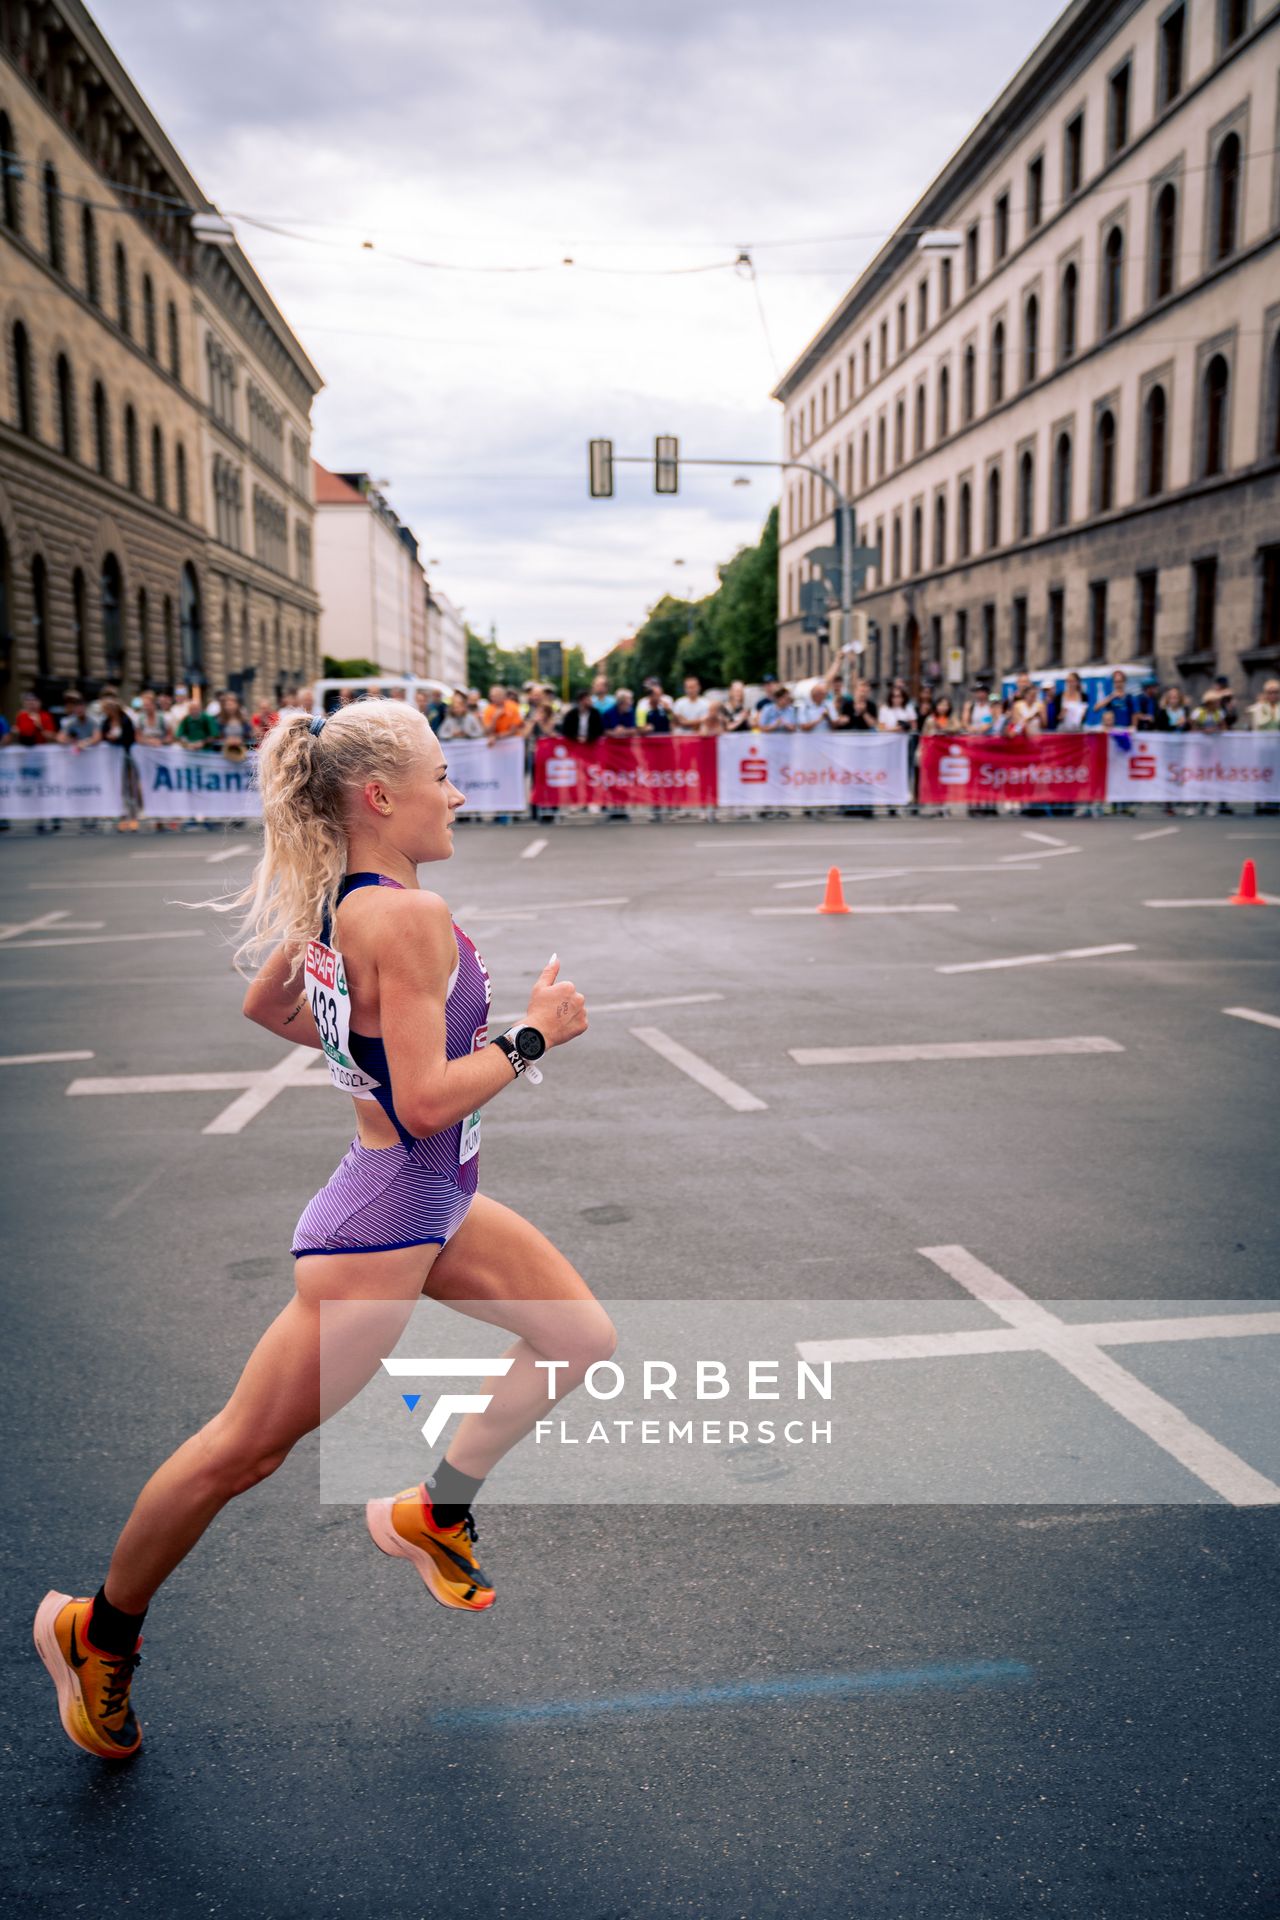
x,y
878,1709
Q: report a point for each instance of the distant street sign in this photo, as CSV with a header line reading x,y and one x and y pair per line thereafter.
x,y
550,658
666,464
600,469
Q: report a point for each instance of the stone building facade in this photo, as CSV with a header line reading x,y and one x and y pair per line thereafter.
x,y
1062,427
118,560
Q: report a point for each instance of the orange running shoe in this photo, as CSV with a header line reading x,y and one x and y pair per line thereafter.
x,y
444,1556
93,1687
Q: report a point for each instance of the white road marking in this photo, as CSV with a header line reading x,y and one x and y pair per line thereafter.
x,y
34,1059
950,1050
533,849
257,1086
1045,839
126,1200
229,853
621,1006
1157,833
141,880
986,1340
1162,1423
1247,1013
1036,959
545,906
1054,853
852,843
106,939
862,908
33,926
293,1070
1269,899
700,1070
893,873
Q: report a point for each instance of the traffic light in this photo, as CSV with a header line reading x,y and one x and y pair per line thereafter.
x,y
666,464
600,469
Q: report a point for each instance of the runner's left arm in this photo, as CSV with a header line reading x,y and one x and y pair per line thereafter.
x,y
279,1007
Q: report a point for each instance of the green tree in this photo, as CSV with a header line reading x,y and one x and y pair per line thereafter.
x,y
349,669
731,635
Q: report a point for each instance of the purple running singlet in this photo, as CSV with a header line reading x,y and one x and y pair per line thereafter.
x,y
417,1193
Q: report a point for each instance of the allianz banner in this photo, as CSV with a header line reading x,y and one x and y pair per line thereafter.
x,y
182,783
626,770
61,783
813,770
1170,767
977,770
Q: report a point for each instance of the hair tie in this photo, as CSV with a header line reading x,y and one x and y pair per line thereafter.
x,y
318,723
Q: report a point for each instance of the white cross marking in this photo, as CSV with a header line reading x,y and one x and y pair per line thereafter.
x,y
256,1086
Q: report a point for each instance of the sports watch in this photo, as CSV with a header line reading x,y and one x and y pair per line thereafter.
x,y
522,1046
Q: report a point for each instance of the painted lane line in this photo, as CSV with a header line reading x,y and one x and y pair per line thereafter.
x,y
1165,1425
863,908
893,873
34,1059
1269,899
700,1070
547,906
1045,839
1248,1013
745,1693
230,853
623,1006
950,1050
140,880
34,926
981,1341
108,939
1037,959
1054,853
533,849
851,842
293,1070
1157,833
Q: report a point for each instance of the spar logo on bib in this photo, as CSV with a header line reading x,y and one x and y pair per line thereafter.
x,y
954,768
561,769
754,768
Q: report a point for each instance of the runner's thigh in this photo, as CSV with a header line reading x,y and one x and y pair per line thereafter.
x,y
501,1269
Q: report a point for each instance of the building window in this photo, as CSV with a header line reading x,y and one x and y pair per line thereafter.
x,y
66,407
902,327
1113,281
1073,156
918,434
1019,631
40,615
10,176
1026,495
1062,481
124,308
89,254
53,240
971,258
79,631
866,363
159,483
1068,313
1204,598
997,363
1172,48
24,409
884,345
1269,606
149,315
111,605
989,636
1145,638
175,355
899,434
896,551
1104,456
1226,197
101,431
968,395
1273,399
180,481
1035,193
944,403
917,540
866,458
1215,391
922,307
1002,226
1154,426
1118,112
1164,242
1233,22
1097,619
964,522
1030,340
144,638
880,448
940,531
993,509
1055,636
945,291
190,621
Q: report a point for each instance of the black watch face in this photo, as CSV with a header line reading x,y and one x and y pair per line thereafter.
x,y
530,1044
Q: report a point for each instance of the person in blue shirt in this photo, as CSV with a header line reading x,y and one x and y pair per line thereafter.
x,y
620,714
1120,703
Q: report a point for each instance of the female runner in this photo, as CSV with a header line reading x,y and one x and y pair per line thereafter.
x,y
397,997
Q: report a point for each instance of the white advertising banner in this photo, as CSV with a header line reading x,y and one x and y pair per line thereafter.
x,y
1178,767
194,783
61,783
492,777
813,770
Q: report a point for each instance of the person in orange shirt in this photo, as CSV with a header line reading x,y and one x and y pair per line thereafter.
x,y
502,715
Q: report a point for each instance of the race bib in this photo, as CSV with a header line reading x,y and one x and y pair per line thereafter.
x,y
325,985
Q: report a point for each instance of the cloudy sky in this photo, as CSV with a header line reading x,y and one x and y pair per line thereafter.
x,y
646,143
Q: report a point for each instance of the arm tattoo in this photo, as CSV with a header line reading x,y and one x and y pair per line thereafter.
x,y
297,1010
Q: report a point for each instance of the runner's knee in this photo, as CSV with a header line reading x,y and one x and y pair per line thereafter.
x,y
236,1460
591,1338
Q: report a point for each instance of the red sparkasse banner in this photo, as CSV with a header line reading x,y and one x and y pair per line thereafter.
x,y
626,770
977,770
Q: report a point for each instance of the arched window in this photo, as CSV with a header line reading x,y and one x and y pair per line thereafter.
x,y
944,403
940,531
993,508
89,255
1068,314
1026,495
917,540
1164,261
1214,401
11,175
53,241
1062,481
79,629
1113,281
919,420
159,483
66,407
101,431
1226,197
111,600
144,638
1105,461
1155,421
132,475
175,354
180,481
997,363
192,650
24,407
40,615
1031,340
149,315
964,522
124,308
968,392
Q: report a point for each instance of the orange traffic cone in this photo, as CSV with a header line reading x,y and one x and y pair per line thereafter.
x,y
1246,894
833,900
